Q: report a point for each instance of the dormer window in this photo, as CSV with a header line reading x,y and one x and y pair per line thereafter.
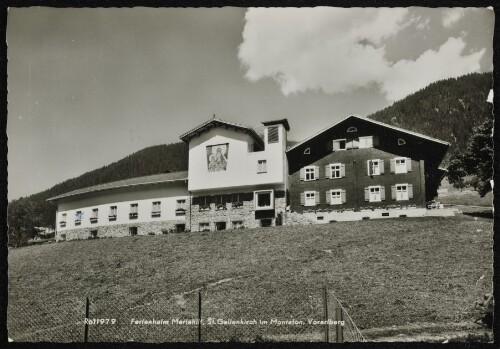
x,y
401,141
307,151
352,129
272,134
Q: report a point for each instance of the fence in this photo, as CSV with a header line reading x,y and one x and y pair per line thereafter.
x,y
227,315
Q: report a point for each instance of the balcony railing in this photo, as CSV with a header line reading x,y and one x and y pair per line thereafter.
x,y
112,217
133,215
93,219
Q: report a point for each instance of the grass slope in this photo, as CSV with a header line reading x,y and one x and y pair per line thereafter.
x,y
387,272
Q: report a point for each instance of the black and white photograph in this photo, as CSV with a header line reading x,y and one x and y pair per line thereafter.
x,y
250,175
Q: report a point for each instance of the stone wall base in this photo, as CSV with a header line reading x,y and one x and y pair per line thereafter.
x,y
119,230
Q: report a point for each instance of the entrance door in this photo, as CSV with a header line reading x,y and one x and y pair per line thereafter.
x,y
220,226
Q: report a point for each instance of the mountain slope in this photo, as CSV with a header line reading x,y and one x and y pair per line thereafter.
x,y
447,109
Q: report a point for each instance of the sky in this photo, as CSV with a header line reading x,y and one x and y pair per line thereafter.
x,y
87,87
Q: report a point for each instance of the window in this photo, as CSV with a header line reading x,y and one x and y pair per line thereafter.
x,y
273,134
180,208
62,223
132,231
375,193
310,198
402,192
236,200
78,217
336,197
264,199
220,202
112,213
180,228
309,173
335,171
401,141
366,142
134,211
156,209
339,144
204,203
205,226
237,224
261,166
307,151
220,226
400,165
375,167
352,129
93,234
95,214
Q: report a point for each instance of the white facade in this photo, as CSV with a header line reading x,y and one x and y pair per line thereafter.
x,y
166,193
242,163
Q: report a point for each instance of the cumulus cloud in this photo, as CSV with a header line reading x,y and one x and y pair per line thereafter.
x,y
452,15
338,50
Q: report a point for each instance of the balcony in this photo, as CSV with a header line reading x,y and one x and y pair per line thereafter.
x,y
133,215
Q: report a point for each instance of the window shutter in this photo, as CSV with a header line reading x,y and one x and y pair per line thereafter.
x,y
382,192
302,199
302,173
393,192
328,197
408,164
316,172
316,197
367,194
327,171
342,170
329,146
393,165
335,145
410,191
368,167
381,166
272,134
343,196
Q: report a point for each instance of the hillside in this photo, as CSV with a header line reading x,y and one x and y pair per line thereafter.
x,y
446,109
392,275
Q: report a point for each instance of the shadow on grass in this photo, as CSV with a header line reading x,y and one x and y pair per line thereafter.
x,y
482,214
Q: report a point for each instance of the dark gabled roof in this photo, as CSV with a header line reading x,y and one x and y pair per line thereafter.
x,y
153,179
283,122
216,122
374,122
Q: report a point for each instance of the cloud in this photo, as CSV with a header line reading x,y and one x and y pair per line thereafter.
x,y
451,16
338,50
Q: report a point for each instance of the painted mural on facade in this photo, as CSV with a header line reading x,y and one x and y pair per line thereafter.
x,y
217,156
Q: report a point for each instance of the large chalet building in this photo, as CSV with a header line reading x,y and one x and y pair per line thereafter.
x,y
356,169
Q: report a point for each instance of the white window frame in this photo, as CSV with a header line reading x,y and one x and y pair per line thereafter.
x,y
95,213
312,170
372,170
113,211
404,192
362,144
338,167
311,201
180,203
401,168
336,197
256,199
339,140
261,166
156,207
134,208
379,193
